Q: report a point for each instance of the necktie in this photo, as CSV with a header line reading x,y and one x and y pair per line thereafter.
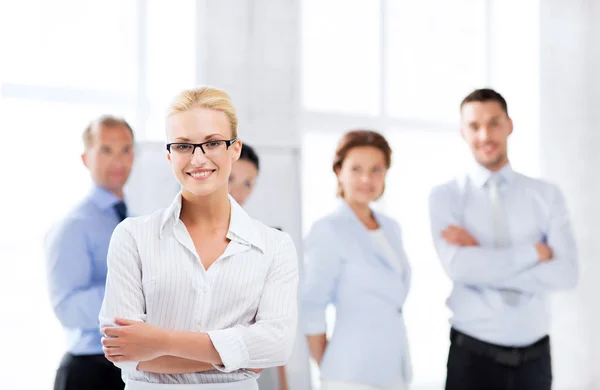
x,y
121,210
501,237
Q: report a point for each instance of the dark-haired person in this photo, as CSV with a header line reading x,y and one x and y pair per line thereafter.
x,y
76,253
241,185
505,241
355,260
243,175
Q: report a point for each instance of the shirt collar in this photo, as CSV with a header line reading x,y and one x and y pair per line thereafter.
x,y
242,227
344,209
480,175
103,198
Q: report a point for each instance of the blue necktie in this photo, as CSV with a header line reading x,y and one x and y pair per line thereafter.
x,y
121,209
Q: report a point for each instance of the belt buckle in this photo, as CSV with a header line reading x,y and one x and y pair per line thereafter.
x,y
512,358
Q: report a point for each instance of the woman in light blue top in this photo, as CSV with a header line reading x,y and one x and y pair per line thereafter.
x,y
355,260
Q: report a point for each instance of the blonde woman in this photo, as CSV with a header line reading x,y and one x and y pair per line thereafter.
x,y
199,295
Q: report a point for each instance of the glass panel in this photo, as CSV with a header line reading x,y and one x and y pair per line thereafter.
x,y
72,43
340,56
435,55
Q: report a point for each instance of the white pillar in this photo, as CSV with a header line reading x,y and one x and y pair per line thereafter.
x,y
569,144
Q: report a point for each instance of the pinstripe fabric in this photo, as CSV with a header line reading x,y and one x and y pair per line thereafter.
x,y
246,301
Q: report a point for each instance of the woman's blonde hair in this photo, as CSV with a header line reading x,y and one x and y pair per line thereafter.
x,y
205,97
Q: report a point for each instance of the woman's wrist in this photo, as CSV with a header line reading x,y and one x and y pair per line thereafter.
x,y
166,343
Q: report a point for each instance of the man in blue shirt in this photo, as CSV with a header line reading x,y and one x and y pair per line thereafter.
x,y
506,242
76,252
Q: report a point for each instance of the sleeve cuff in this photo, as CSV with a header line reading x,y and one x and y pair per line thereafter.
x,y
314,327
127,366
231,348
529,254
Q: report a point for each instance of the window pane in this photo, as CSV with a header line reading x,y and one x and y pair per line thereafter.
x,y
421,161
319,184
340,55
171,58
43,177
71,43
435,55
515,34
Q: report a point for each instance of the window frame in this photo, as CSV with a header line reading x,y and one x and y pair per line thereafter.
x,y
334,121
137,102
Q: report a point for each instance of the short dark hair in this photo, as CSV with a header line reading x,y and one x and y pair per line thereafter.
x,y
485,95
249,154
104,120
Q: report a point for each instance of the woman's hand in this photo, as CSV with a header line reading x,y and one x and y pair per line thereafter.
x,y
133,341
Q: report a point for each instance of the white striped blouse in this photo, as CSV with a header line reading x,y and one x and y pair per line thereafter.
x,y
246,301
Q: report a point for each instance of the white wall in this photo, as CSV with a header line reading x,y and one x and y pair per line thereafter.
x,y
569,142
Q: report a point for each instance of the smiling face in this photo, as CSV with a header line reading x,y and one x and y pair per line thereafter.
x,y
362,175
109,157
201,174
485,126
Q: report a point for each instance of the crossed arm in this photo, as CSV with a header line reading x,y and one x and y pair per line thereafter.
x,y
544,266
157,349
133,344
154,349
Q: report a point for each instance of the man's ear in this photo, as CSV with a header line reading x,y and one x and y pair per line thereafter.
x,y
84,159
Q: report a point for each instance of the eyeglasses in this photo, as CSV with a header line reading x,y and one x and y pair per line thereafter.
x,y
210,148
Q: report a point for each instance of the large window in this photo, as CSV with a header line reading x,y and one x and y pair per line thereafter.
x,y
402,67
341,51
65,63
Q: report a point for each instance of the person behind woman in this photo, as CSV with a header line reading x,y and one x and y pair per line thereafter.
x,y
199,294
355,260
241,185
243,175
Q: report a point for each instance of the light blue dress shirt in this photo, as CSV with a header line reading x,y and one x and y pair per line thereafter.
x,y
535,211
76,252
345,267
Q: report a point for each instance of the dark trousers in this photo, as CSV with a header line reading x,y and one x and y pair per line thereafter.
x,y
87,372
475,365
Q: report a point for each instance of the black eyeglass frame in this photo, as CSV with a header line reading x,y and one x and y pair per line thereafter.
x,y
228,143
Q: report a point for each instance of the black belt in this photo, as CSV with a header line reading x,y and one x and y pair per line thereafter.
x,y
91,359
509,356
